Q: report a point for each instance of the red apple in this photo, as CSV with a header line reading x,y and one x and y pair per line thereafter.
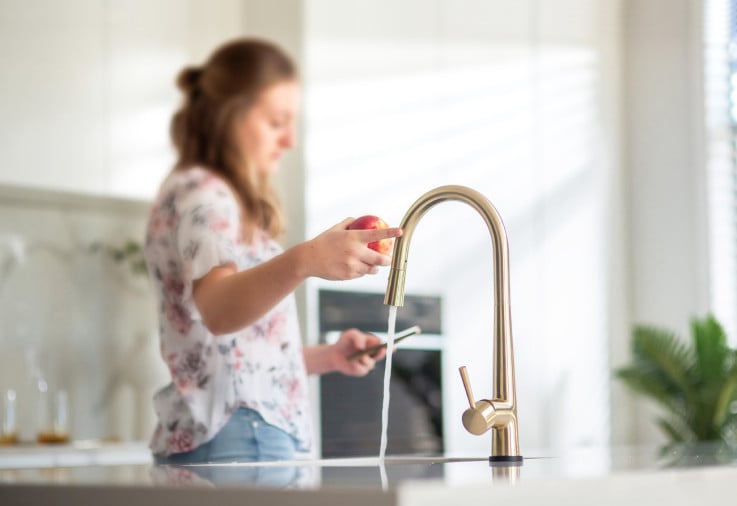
x,y
369,221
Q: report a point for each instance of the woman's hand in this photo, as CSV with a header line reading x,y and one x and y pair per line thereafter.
x,y
350,341
333,357
340,254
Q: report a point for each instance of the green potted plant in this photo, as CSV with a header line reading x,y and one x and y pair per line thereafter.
x,y
695,383
130,253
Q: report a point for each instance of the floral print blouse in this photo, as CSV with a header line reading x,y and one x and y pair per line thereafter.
x,y
194,226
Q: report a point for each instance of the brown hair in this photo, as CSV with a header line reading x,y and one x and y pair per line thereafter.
x,y
201,130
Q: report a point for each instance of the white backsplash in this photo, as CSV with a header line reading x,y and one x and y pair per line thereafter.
x,y
87,320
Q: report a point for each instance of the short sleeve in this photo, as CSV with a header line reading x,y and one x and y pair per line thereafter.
x,y
208,230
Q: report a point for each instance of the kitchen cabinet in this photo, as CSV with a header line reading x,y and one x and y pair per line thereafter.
x,y
88,88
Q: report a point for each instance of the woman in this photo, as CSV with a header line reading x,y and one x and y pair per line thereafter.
x,y
228,325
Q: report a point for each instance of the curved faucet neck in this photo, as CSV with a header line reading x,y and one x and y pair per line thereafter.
x,y
503,361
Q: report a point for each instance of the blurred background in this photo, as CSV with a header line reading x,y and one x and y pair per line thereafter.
x,y
602,131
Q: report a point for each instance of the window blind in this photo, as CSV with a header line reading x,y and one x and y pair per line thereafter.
x,y
720,116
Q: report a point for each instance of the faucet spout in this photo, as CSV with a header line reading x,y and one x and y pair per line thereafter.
x,y
505,440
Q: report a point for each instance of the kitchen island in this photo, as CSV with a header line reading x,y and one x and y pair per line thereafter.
x,y
601,476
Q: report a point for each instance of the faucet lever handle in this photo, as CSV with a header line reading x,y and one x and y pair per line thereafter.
x,y
467,386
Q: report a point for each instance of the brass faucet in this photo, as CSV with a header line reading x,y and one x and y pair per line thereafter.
x,y
500,413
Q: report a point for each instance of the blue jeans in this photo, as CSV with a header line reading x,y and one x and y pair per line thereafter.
x,y
246,437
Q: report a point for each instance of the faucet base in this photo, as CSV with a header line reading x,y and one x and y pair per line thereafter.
x,y
506,460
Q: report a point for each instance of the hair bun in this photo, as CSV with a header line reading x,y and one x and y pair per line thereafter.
x,y
189,79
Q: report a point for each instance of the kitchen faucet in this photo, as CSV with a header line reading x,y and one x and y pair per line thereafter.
x,y
499,413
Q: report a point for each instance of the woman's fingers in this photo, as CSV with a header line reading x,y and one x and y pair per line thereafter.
x,y
377,234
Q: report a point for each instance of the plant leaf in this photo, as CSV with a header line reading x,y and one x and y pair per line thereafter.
x,y
710,344
726,396
677,435
662,351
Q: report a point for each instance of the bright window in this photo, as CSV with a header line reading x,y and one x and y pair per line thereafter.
x,y
720,102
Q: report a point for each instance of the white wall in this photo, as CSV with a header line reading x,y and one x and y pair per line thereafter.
x,y
666,176
665,172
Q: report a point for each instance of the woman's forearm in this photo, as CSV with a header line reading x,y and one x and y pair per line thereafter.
x,y
229,300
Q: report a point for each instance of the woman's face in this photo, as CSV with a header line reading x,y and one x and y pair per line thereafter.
x,y
267,129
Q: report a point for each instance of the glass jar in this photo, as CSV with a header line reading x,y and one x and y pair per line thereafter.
x,y
52,415
8,426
